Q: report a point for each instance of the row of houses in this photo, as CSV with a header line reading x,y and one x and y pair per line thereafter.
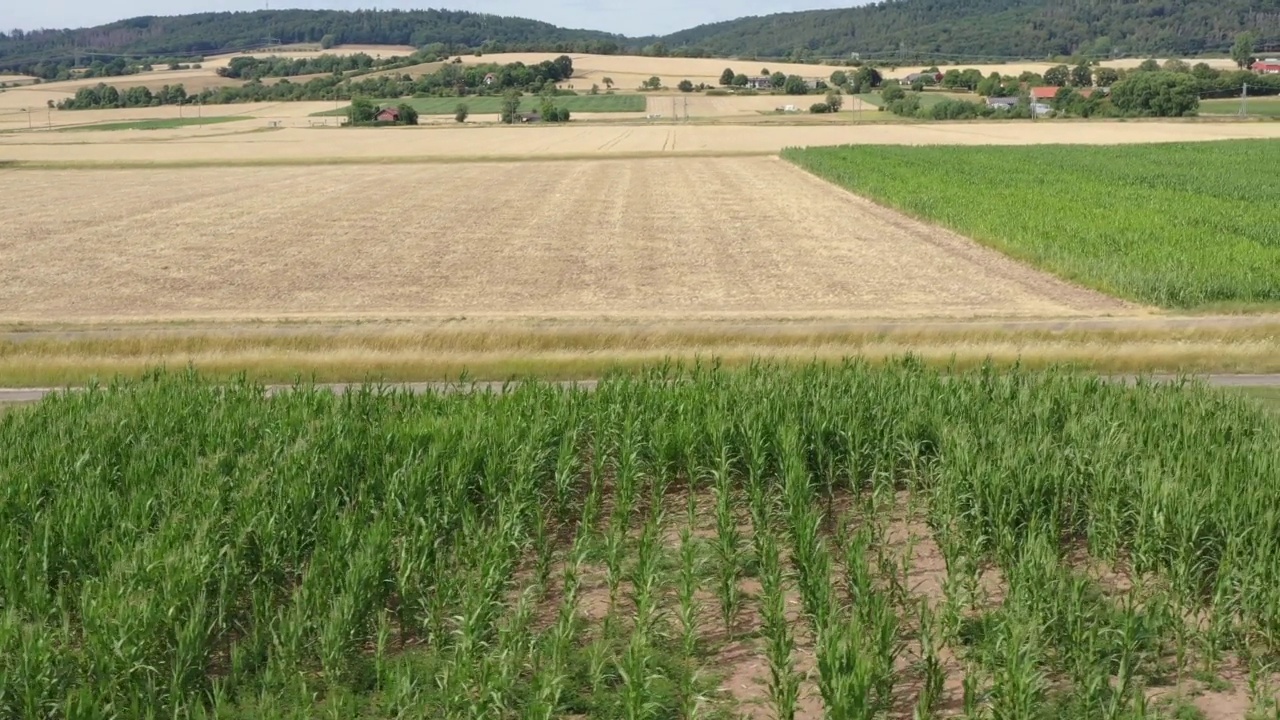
x,y
766,83
1040,97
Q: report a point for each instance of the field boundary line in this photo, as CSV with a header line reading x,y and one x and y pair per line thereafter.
x,y
36,165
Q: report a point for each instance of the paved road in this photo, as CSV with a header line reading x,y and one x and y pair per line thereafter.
x,y
17,395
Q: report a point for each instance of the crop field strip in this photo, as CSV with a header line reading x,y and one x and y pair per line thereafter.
x,y
847,542
1182,225
529,103
578,140
622,239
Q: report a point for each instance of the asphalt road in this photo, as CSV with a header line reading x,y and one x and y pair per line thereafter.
x,y
18,395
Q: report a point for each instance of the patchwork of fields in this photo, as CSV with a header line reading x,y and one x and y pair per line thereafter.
x,y
774,531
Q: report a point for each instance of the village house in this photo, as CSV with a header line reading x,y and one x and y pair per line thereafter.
x,y
490,79
760,83
387,115
926,78
1270,66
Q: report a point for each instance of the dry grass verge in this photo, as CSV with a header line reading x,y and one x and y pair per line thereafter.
x,y
282,353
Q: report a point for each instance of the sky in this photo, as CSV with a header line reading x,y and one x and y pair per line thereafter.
x,y
626,17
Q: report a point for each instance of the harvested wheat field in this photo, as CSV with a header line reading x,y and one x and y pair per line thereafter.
x,y
578,139
599,239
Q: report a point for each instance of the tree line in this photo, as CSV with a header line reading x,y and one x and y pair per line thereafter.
x,y
452,79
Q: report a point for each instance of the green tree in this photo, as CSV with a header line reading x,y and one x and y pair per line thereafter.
x,y
778,80
1156,94
726,77
917,85
1242,50
408,114
461,112
1057,76
740,80
970,78
835,101
990,85
1105,76
795,85
653,83
685,86
1176,66
1148,65
891,92
764,72
869,77
510,106
360,111
819,108
608,83
1202,71
1082,75
839,78
595,89
328,41
951,79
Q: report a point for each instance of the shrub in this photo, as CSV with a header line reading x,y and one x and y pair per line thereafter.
x,y
461,113
819,108
892,92
1156,94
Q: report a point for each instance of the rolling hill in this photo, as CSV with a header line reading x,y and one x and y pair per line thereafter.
x,y
901,30
994,28
212,33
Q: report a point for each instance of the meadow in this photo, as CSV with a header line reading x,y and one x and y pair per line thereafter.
x,y
492,104
844,541
1187,226
1264,106
159,124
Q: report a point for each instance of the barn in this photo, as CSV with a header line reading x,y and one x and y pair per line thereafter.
x,y
387,115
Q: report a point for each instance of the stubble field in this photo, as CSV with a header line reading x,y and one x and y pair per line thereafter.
x,y
301,145
740,237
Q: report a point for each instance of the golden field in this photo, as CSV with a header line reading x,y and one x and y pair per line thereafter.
x,y
626,239
253,142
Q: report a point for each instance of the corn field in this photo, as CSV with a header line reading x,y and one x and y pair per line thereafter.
x,y
1176,225
871,541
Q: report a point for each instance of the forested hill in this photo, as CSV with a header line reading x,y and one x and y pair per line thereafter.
x,y
895,29
995,28
207,33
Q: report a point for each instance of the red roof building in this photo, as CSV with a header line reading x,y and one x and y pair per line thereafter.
x,y
1266,67
1050,92
387,115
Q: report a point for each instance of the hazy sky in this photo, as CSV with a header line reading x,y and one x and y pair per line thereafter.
x,y
628,17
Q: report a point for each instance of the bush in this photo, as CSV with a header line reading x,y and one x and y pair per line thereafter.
x,y
892,92
461,113
819,108
1156,94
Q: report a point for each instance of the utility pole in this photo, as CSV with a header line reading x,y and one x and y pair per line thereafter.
x,y
1244,100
